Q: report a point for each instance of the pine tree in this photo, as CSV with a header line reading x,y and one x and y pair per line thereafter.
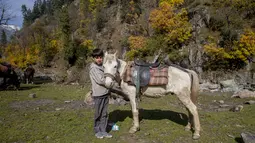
x,y
66,31
43,7
36,10
27,15
49,7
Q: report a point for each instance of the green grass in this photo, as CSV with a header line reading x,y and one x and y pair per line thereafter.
x,y
25,119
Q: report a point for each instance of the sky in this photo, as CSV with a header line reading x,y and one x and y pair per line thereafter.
x,y
16,10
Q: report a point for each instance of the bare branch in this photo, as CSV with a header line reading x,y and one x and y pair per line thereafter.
x,y
5,14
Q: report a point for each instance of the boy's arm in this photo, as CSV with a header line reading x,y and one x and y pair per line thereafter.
x,y
97,76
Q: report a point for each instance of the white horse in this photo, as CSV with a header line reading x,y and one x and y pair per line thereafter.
x,y
183,83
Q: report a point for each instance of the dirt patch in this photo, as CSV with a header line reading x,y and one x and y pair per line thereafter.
x,y
48,105
75,105
31,103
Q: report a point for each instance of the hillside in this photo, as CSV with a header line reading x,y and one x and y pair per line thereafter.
x,y
208,35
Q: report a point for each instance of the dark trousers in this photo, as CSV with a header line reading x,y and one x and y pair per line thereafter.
x,y
101,115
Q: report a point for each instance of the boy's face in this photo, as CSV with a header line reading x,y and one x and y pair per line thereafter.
x,y
98,60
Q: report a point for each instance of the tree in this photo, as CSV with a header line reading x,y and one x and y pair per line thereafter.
x,y
36,10
26,15
173,26
65,28
5,13
3,38
240,54
43,7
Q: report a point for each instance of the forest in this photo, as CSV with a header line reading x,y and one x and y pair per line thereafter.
x,y
206,35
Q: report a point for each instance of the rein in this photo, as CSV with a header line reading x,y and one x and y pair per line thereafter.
x,y
117,77
111,76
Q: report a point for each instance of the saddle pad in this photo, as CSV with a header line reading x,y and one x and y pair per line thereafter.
x,y
157,76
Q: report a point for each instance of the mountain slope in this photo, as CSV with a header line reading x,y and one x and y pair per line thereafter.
x,y
9,30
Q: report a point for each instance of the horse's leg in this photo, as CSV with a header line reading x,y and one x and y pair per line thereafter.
x,y
185,99
135,112
29,79
32,79
190,117
26,79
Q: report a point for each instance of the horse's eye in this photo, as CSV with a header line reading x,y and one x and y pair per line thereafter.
x,y
115,66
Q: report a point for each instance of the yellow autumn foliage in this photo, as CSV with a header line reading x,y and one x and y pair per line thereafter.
x,y
243,50
20,57
137,42
174,26
173,2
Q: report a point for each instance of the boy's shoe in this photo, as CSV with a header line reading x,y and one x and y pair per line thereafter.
x,y
107,135
99,135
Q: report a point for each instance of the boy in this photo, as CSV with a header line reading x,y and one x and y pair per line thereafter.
x,y
100,94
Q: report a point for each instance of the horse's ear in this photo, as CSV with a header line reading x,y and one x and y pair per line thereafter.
x,y
106,53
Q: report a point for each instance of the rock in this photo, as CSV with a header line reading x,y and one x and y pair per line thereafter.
x,y
146,134
231,136
88,99
58,109
244,94
32,95
237,108
222,109
249,102
221,102
224,106
67,101
239,126
228,85
248,137
209,87
72,75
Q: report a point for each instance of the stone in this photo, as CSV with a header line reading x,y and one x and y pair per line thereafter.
x,y
58,109
88,99
32,95
229,85
244,94
67,101
249,102
224,106
248,137
237,108
221,102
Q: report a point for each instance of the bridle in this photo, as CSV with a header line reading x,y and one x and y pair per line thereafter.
x,y
110,76
117,77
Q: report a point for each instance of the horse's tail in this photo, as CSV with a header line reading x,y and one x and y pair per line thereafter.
x,y
194,86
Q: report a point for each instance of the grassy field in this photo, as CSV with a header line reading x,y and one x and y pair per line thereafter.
x,y
47,118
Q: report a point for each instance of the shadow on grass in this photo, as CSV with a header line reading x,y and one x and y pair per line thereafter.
x,y
27,87
155,114
239,140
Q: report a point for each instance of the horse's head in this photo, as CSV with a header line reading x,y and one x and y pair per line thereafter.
x,y
110,64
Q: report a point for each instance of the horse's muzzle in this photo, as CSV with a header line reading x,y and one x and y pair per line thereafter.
x,y
109,80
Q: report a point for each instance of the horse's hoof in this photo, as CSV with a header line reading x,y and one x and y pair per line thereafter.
x,y
132,130
195,137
